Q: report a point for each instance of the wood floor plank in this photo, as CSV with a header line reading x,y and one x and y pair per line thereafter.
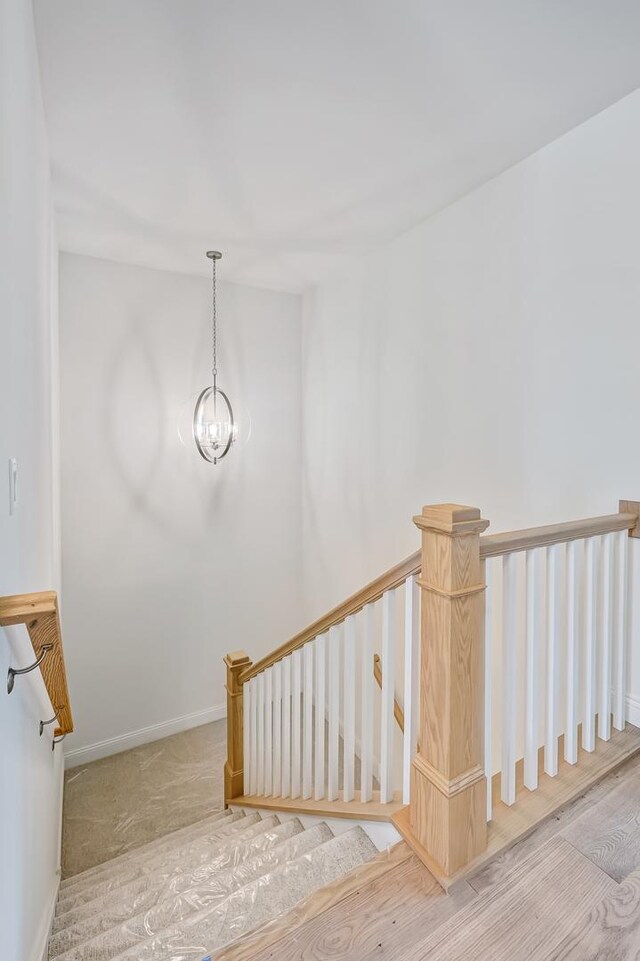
x,y
609,831
609,932
260,942
504,863
523,917
379,920
510,823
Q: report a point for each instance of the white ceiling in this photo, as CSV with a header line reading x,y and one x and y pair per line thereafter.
x,y
294,133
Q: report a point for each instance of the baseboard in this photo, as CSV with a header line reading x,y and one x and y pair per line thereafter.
x,y
114,745
633,711
41,950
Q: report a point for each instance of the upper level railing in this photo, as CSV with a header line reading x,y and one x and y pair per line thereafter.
x,y
556,645
508,650
39,613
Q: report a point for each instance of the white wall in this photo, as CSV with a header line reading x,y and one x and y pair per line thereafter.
x,y
489,357
30,784
170,562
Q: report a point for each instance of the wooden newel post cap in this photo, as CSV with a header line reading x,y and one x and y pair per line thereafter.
x,y
453,519
237,660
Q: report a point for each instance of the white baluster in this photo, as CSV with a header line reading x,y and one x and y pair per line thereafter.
x,y
260,739
509,664
307,747
621,547
605,626
334,712
296,722
532,670
590,658
277,729
253,770
387,719
246,737
349,707
366,735
551,714
411,681
268,731
320,711
573,660
488,685
286,727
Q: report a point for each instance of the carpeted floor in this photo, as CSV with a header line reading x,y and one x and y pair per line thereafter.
x,y
123,801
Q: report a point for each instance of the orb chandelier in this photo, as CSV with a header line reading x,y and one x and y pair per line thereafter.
x,y
214,427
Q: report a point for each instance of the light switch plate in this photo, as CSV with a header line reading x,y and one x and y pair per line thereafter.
x,y
13,484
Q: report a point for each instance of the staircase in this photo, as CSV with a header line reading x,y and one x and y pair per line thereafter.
x,y
512,651
506,684
190,893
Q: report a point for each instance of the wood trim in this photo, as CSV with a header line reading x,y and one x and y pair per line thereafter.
x,y
631,507
398,713
355,810
449,787
234,765
372,592
39,613
492,545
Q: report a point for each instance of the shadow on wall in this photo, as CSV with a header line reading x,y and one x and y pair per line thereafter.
x,y
142,443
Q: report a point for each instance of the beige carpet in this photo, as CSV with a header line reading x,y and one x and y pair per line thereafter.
x,y
120,802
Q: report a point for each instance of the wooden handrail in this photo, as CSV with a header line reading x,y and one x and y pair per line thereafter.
x,y
398,713
492,545
372,592
39,613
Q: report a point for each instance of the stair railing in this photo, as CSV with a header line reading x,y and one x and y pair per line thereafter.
x,y
488,615
516,664
307,716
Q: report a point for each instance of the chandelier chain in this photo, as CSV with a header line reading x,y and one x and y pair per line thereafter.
x,y
214,369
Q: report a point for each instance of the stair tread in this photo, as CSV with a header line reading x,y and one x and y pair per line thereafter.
x,y
126,925
145,890
165,841
195,851
249,906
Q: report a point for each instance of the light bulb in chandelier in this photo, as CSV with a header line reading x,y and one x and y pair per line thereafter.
x,y
214,427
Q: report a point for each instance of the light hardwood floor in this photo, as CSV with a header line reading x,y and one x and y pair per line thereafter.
x,y
569,891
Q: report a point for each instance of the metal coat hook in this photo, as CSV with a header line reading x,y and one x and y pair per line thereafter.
x,y
55,717
14,671
57,740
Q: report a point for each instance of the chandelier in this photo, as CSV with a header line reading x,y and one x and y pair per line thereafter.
x,y
214,428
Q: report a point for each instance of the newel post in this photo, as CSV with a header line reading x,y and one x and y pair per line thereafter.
x,y
236,662
448,786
